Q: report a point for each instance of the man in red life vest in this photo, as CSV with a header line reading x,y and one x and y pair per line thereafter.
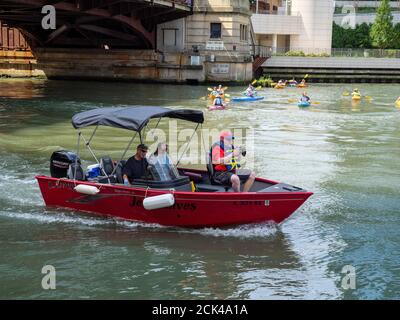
x,y
224,161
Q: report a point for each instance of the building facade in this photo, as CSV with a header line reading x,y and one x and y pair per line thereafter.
x,y
294,25
216,36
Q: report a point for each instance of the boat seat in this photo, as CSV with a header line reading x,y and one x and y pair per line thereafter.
x,y
75,172
203,187
118,171
210,170
107,165
105,179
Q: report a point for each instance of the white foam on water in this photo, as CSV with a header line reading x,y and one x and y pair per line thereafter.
x,y
244,231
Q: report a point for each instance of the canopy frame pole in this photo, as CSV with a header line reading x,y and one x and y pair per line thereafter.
x,y
94,156
204,145
126,150
77,154
93,133
141,142
187,145
159,119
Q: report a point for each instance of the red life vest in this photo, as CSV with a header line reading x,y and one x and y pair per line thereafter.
x,y
221,167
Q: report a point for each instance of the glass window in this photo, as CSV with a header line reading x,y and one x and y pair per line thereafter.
x,y
215,30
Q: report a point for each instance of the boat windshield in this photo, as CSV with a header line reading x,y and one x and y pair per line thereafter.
x,y
162,168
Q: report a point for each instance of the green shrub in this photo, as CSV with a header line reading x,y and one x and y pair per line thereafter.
x,y
264,81
295,54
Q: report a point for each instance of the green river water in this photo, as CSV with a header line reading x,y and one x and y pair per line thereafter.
x,y
347,154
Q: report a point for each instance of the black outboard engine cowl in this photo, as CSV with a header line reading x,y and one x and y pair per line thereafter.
x,y
60,161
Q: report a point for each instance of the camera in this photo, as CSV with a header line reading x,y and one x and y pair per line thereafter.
x,y
243,151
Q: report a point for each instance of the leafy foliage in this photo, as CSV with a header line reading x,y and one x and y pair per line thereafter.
x,y
359,37
382,30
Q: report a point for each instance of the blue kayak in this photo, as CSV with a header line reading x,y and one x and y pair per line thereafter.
x,y
246,99
304,104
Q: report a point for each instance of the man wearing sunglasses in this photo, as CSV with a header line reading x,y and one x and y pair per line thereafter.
x,y
136,166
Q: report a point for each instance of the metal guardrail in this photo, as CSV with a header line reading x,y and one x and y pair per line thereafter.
x,y
261,51
336,52
366,53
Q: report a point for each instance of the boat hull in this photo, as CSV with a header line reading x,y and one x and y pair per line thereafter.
x,y
214,107
191,209
304,104
246,99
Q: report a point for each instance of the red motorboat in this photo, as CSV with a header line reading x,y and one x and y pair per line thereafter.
x,y
186,198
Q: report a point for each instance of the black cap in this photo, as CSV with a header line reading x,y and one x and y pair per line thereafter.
x,y
142,146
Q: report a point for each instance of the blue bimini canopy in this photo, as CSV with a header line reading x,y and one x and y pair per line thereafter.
x,y
132,118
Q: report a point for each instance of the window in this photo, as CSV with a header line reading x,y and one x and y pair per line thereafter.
x,y
215,31
243,32
169,37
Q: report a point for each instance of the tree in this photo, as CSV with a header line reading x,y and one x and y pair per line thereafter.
x,y
382,31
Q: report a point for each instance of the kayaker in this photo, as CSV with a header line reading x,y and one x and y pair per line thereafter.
x,y
224,161
218,101
356,92
136,166
304,97
302,84
220,90
293,82
250,91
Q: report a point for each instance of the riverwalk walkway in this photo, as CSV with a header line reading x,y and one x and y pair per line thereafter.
x,y
334,69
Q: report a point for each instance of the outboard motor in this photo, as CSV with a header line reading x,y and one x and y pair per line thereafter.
x,y
60,162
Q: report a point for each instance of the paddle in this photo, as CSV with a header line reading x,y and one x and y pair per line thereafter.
x,y
345,93
254,81
210,89
369,98
227,95
293,100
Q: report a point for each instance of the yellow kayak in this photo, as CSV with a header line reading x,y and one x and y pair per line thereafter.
x,y
279,87
301,85
212,96
398,103
356,97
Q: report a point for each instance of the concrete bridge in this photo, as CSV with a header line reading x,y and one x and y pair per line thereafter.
x,y
128,24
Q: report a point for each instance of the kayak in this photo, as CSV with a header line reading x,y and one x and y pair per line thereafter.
x,y
304,104
356,97
212,97
279,87
398,104
301,85
211,108
244,99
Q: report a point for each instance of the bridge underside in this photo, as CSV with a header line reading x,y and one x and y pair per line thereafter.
x,y
93,23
